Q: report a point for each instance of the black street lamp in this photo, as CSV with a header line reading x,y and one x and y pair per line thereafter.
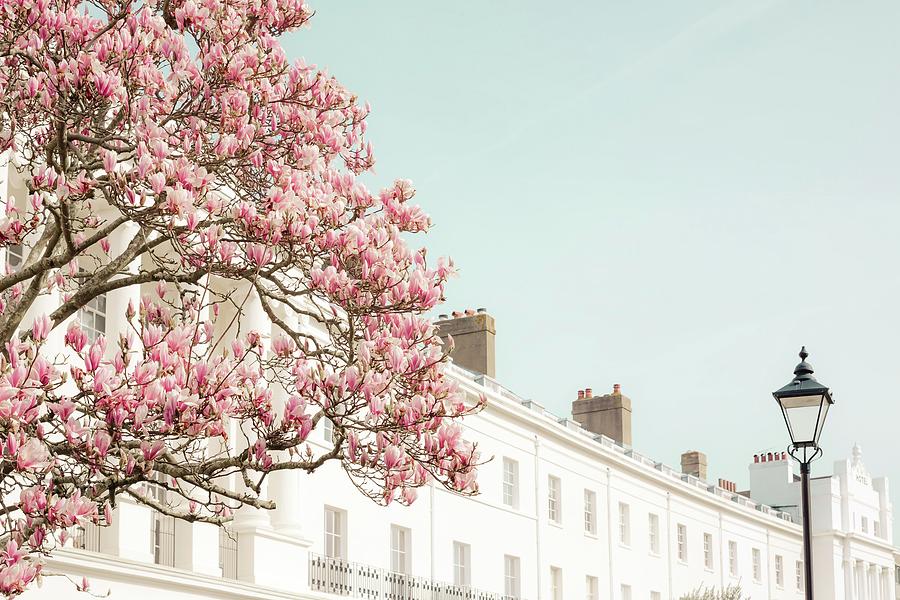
x,y
804,403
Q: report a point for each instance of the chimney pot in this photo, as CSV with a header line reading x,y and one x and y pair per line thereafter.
x,y
482,310
581,394
617,389
443,317
771,457
609,415
456,314
756,458
784,456
469,312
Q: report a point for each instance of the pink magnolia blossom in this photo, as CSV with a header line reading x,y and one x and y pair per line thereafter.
x,y
216,186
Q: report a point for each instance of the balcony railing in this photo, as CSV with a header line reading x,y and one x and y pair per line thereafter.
x,y
354,580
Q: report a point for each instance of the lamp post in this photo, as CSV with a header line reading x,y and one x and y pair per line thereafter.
x,y
804,403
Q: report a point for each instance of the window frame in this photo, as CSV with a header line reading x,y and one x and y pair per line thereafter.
x,y
462,564
708,557
624,524
733,566
401,549
590,512
556,583
653,532
591,587
512,576
681,542
338,536
93,310
510,487
554,499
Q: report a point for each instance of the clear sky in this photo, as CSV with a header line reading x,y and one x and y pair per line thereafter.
x,y
673,196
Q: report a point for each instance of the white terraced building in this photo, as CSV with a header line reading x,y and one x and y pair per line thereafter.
x,y
567,510
564,513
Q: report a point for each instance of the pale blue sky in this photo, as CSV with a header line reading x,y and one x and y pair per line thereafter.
x,y
673,196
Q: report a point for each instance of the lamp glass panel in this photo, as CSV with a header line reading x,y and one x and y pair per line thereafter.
x,y
802,415
825,406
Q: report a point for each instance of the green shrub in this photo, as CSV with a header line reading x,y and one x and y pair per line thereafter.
x,y
732,592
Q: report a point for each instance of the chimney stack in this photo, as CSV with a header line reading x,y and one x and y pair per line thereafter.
x,y
473,335
609,415
694,463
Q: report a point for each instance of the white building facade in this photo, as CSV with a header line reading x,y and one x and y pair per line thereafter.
x,y
565,512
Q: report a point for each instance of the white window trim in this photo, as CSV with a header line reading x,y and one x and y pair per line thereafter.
x,y
401,549
624,525
709,557
681,550
554,500
511,468
512,577
653,533
590,517
340,535
462,564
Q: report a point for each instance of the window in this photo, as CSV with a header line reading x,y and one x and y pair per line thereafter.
x,y
328,430
554,499
757,565
162,527
15,256
875,528
228,553
400,540
92,317
624,524
556,584
510,483
732,559
707,551
335,533
864,524
655,596
626,592
462,565
592,588
590,512
162,540
511,586
779,571
654,533
682,542
798,571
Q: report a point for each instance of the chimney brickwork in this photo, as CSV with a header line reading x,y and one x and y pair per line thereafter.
x,y
473,340
694,463
609,415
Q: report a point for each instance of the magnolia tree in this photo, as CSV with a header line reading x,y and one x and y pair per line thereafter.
x,y
229,177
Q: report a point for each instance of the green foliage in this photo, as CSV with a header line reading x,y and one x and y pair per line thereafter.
x,y
732,592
